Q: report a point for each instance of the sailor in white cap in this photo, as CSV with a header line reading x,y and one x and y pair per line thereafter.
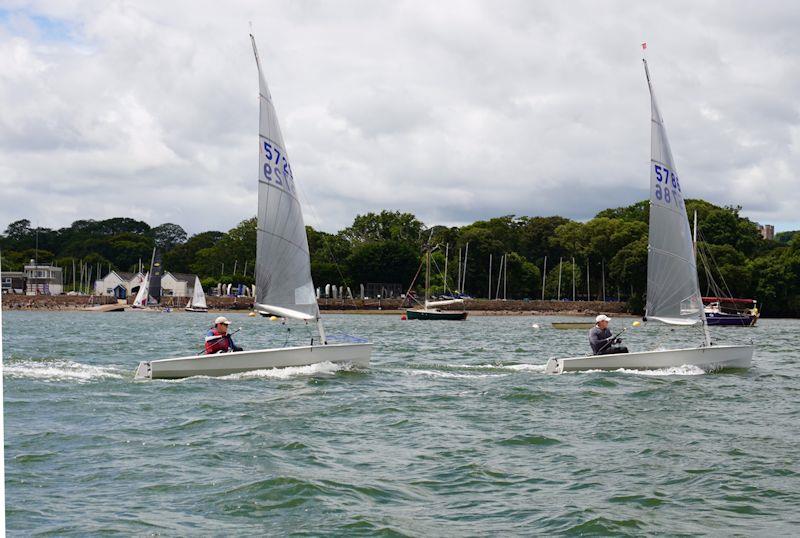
x,y
601,339
217,338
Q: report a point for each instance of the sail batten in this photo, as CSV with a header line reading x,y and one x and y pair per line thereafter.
x,y
673,290
283,265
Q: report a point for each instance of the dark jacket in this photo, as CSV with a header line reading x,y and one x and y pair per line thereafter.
x,y
599,338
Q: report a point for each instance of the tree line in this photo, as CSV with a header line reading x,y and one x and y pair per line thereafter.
x,y
607,254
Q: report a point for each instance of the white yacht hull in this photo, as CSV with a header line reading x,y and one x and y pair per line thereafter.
x,y
221,364
710,359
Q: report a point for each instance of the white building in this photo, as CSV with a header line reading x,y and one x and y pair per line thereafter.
x,y
123,285
43,279
177,284
119,284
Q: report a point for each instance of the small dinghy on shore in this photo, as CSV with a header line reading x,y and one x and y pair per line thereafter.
x,y
673,290
283,272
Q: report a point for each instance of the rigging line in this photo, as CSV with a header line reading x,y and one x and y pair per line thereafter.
x,y
327,246
414,280
716,266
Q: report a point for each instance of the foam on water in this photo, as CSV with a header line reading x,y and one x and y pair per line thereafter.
x,y
293,371
324,368
513,367
59,370
686,369
441,373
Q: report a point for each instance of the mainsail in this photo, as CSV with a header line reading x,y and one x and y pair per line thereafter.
x,y
198,299
141,296
673,290
283,266
155,277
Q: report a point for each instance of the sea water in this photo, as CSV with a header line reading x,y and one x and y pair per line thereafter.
x,y
453,430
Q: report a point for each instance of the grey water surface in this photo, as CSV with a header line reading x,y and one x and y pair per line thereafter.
x,y
453,430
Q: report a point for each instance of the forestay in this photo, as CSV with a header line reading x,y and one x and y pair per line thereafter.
x,y
283,267
673,291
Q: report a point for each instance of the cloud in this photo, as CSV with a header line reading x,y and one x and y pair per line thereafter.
x,y
452,110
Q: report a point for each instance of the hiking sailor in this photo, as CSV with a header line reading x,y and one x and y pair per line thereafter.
x,y
217,338
601,339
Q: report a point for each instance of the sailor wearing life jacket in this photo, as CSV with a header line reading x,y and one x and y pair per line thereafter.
x,y
217,338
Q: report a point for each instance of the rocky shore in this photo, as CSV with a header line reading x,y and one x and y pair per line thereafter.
x,y
474,306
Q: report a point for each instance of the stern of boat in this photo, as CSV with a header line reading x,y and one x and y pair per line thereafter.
x,y
143,371
554,366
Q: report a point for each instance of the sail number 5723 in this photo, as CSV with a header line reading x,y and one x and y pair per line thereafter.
x,y
276,168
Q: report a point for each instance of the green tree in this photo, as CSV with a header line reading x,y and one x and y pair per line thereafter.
x,y
181,258
382,261
385,226
168,235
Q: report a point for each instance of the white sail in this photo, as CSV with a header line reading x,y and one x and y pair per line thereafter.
x,y
673,291
433,304
198,299
283,265
140,301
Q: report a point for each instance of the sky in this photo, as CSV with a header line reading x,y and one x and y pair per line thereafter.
x,y
455,111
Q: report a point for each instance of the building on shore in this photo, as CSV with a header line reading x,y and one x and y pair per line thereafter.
x,y
177,284
13,281
123,285
120,284
767,231
43,279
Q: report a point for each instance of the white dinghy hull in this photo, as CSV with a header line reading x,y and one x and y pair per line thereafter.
x,y
710,359
221,364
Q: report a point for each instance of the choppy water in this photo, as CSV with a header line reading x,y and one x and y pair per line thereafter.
x,y
454,430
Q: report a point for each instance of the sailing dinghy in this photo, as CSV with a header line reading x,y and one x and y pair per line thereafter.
x,y
673,290
198,301
140,301
283,272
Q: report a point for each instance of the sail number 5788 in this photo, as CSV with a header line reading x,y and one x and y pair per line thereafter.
x,y
667,188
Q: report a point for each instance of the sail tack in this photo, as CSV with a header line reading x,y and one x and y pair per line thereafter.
x,y
283,266
673,290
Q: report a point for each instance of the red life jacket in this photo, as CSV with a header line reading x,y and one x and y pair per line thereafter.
x,y
215,342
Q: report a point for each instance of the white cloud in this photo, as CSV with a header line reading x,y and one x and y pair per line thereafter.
x,y
452,110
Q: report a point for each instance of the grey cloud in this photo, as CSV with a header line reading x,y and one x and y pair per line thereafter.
x,y
452,110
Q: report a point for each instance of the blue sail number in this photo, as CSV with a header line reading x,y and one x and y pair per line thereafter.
x,y
273,171
663,192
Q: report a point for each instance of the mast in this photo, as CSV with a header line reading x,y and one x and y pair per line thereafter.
x,y
464,272
573,279
499,277
694,235
588,294
427,273
603,269
544,276
458,281
505,277
446,255
558,297
490,277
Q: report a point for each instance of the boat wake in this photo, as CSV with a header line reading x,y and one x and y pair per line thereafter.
x,y
685,370
288,372
324,368
59,370
489,370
